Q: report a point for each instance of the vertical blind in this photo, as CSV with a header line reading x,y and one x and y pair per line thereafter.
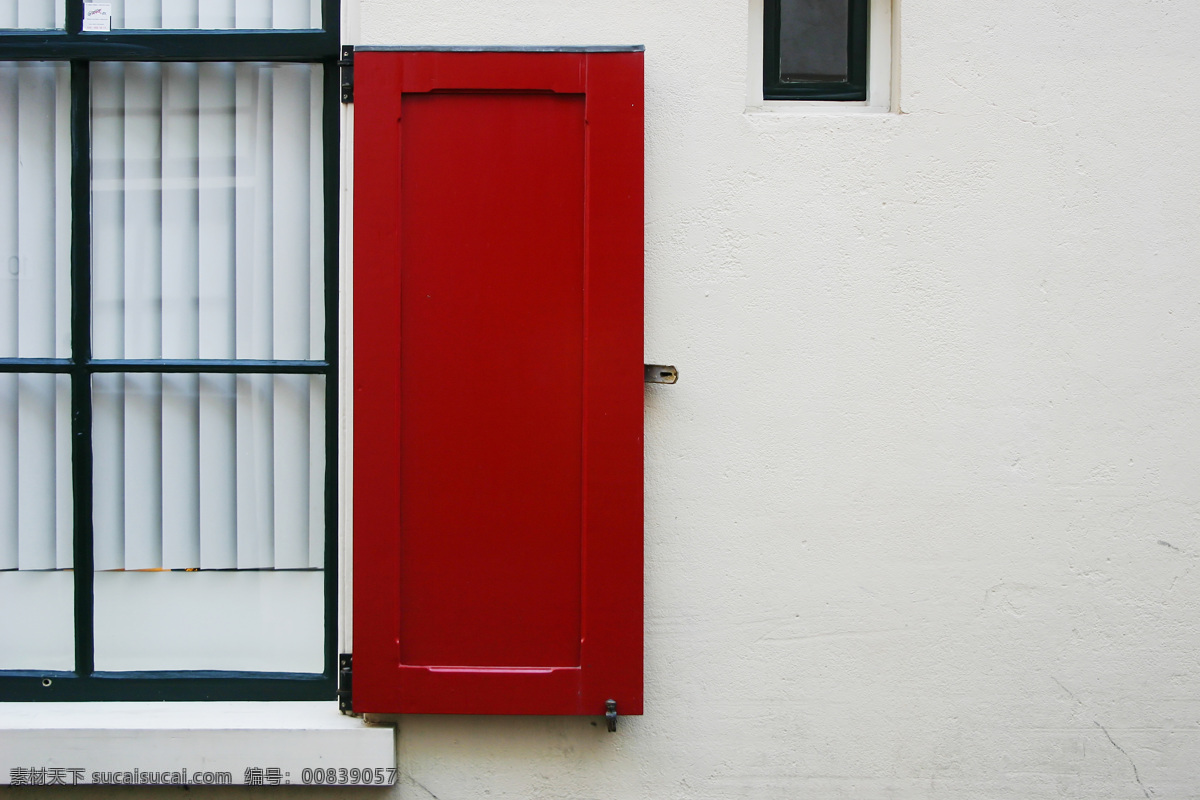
x,y
210,14
35,300
207,243
173,14
35,410
41,14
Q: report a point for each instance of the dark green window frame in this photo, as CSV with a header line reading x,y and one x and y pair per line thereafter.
x,y
854,88
80,50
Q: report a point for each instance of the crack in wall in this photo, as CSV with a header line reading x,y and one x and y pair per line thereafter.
x,y
1136,775
421,786
1113,742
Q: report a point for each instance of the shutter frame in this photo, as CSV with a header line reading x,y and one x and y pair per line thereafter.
x,y
610,584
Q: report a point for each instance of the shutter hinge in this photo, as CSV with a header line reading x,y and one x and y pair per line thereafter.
x,y
345,690
610,715
346,62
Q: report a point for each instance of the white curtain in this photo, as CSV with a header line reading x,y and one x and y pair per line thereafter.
x,y
216,14
207,243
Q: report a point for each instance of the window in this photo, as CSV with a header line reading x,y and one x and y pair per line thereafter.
x,y
815,49
168,274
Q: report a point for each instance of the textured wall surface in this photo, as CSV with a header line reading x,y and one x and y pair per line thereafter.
x,y
922,513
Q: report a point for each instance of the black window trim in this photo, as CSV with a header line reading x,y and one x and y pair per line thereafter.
x,y
857,44
79,50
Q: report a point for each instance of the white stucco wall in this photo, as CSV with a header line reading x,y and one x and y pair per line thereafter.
x,y
921,514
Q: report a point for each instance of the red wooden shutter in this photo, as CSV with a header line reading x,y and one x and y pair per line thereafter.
x,y
498,381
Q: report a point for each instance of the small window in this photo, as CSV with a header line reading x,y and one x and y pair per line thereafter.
x,y
815,49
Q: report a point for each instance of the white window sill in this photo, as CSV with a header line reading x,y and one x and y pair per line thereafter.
x,y
116,743
815,108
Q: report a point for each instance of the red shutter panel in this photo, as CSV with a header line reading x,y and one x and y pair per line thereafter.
x,y
498,382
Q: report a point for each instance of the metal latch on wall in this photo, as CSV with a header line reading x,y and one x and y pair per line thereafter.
x,y
610,715
660,373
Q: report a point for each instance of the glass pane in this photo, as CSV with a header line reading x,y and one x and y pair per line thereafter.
x,y
35,472
36,523
216,485
35,213
32,14
813,40
207,211
42,635
221,14
252,621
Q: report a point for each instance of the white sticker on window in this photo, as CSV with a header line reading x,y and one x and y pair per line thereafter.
x,y
97,17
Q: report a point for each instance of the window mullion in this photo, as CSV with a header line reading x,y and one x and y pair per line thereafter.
x,y
304,46
74,15
81,351
331,126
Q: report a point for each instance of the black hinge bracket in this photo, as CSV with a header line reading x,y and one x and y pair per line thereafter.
x,y
610,715
345,692
346,62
